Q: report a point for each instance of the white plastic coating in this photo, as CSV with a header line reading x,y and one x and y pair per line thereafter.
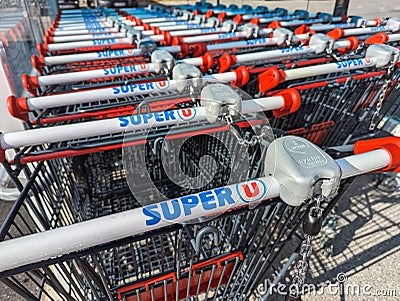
x,y
222,77
363,163
192,32
53,243
326,27
71,77
366,30
301,22
265,55
195,61
113,125
157,38
329,68
242,44
266,104
213,37
52,101
94,36
172,23
170,49
183,27
394,37
73,98
91,56
84,31
82,27
73,45
341,44
147,32
163,19
139,28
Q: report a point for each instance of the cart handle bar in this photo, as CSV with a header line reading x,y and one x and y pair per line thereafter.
x,y
281,104
49,244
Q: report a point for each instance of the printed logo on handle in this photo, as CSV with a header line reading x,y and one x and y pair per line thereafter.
x,y
143,67
353,63
251,191
162,85
378,28
227,35
187,114
166,116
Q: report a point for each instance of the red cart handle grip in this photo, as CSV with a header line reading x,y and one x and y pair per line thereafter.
x,y
225,62
389,144
221,16
18,107
302,29
208,62
199,49
30,84
185,50
292,102
270,79
242,76
42,49
237,19
379,38
38,63
336,33
353,45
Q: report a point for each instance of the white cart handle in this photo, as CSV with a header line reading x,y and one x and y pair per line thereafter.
x,y
54,243
21,105
272,77
86,44
226,61
222,36
81,31
83,57
87,37
286,102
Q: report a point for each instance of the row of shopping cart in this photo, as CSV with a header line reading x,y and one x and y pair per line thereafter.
x,y
181,153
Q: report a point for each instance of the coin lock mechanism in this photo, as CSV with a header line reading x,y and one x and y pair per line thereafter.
x,y
383,53
302,170
163,61
394,24
283,36
220,101
187,77
251,30
321,43
229,26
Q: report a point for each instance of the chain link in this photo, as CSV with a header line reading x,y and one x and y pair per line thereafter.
x,y
347,56
235,130
304,255
382,96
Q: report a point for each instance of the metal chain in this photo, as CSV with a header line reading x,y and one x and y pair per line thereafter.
x,y
382,96
255,139
304,255
348,55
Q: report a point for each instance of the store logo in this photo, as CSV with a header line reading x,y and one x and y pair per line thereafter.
x,y
251,191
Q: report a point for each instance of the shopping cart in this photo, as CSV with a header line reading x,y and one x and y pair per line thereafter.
x,y
226,257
